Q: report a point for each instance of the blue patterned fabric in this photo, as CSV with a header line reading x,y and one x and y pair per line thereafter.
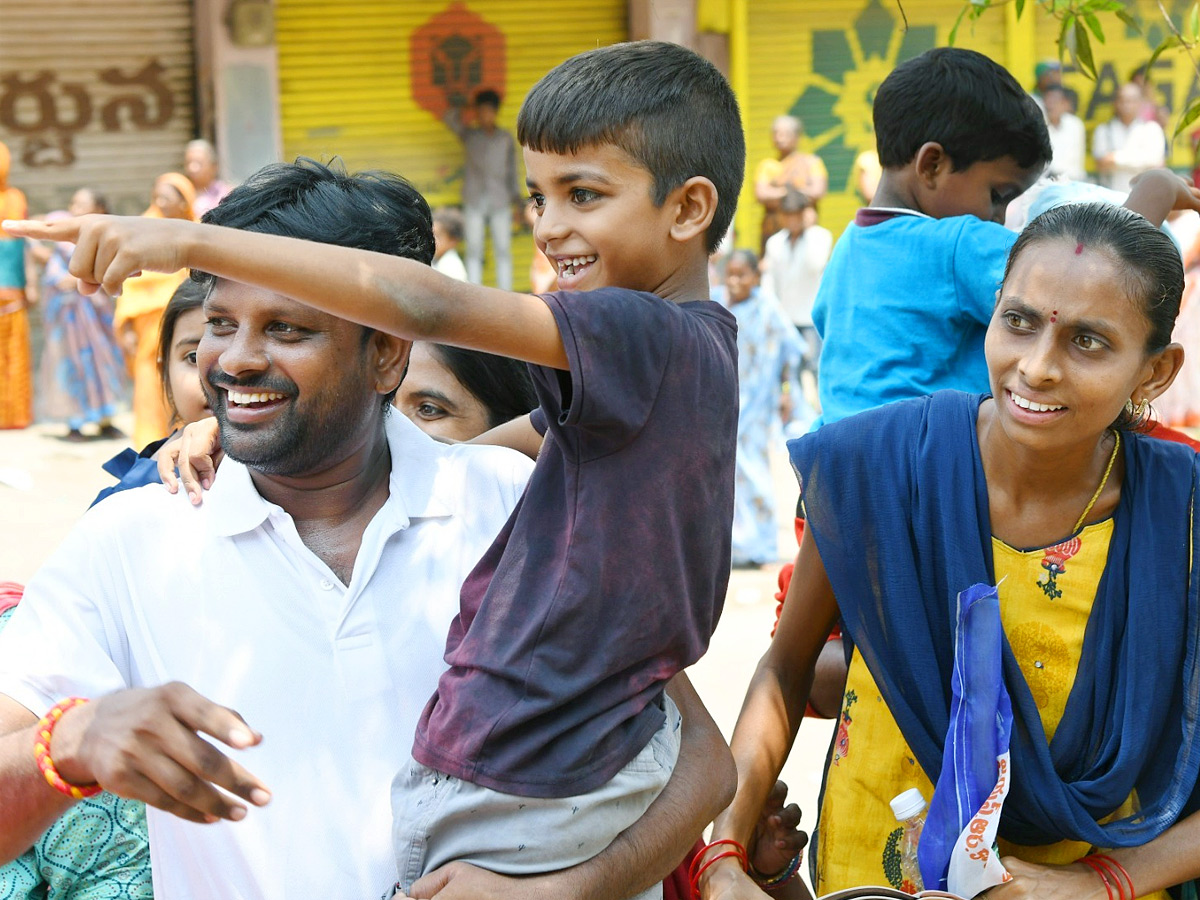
x,y
97,851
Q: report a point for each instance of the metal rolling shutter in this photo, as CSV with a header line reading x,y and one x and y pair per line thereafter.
x,y
96,93
346,85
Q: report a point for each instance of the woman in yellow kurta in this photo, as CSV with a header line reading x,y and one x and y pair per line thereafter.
x,y
1088,529
139,309
16,365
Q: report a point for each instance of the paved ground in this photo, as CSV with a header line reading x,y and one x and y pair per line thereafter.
x,y
46,483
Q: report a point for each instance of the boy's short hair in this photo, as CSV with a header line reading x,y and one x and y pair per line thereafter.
x,y
794,201
667,107
450,219
964,101
487,97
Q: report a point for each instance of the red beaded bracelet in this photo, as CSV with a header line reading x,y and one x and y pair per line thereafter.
x,y
41,752
700,865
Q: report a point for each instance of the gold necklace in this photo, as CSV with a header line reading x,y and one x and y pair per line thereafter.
x,y
1112,457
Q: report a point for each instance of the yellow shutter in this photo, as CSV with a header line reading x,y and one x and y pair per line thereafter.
x,y
346,82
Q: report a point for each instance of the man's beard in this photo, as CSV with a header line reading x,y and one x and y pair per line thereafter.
x,y
297,441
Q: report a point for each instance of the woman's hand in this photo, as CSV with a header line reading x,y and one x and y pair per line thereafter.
x,y
1072,882
196,453
777,838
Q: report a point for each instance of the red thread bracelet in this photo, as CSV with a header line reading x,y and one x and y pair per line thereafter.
x,y
699,865
41,752
1111,864
1099,869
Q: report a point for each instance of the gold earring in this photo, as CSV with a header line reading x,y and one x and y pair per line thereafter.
x,y
1137,412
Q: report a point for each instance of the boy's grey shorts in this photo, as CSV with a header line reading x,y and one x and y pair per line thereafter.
x,y
437,819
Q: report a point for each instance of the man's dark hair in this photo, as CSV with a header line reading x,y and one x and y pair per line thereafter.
x,y
487,97
964,101
306,199
667,107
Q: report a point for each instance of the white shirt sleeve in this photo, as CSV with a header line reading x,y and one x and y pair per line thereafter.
x,y
1102,141
62,639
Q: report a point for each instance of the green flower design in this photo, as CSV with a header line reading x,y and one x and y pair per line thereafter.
x,y
848,66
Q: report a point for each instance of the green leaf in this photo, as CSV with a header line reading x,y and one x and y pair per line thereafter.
x,y
1094,24
1020,7
953,35
1129,20
1194,20
1083,51
1189,116
1168,42
1067,21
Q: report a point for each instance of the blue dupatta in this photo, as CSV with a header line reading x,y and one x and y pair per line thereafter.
x,y
896,500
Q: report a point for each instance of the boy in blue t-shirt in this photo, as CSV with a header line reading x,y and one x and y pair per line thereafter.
x,y
551,732
909,289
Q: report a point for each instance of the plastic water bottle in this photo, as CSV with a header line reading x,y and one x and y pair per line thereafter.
x,y
909,810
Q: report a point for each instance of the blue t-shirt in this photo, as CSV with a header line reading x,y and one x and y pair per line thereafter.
x,y
903,307
610,574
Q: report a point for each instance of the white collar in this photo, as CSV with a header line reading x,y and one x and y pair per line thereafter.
x,y
235,506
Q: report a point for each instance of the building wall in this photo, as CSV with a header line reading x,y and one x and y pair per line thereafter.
x,y
96,93
368,80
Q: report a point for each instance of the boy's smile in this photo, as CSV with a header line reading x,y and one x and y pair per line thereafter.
x,y
597,221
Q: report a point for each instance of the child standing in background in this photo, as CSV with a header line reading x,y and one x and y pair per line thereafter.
x,y
769,356
447,235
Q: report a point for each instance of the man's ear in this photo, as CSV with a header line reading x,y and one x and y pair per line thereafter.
x,y
694,203
389,360
930,163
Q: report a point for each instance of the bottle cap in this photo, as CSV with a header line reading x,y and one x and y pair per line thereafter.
x,y
906,805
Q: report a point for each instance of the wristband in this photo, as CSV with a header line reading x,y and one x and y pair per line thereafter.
x,y
786,874
41,752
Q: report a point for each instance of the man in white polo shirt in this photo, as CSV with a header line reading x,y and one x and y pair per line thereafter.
x,y
311,593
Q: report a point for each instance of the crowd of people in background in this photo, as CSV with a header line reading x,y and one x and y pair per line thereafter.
x,y
957,392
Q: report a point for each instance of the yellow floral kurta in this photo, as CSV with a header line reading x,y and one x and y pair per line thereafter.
x,y
1046,597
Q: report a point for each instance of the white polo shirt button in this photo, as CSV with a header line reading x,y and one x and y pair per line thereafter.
x,y
326,584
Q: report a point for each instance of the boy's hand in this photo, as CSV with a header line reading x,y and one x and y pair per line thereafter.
x,y
196,453
109,249
462,881
1156,192
777,838
145,745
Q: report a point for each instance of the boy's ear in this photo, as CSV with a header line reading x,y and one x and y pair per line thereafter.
x,y
930,162
694,204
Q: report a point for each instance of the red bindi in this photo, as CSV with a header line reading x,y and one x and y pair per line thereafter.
x,y
1078,249
1054,315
